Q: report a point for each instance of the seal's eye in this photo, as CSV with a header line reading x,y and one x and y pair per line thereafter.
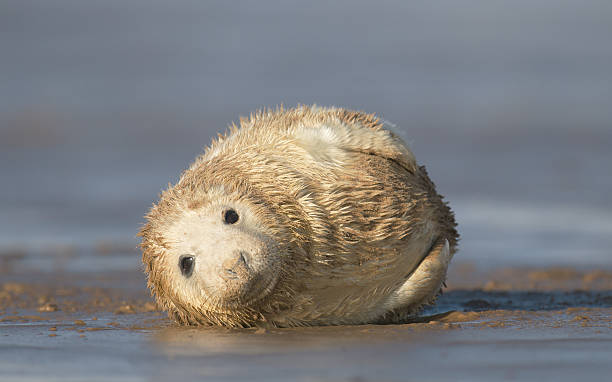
x,y
186,263
230,216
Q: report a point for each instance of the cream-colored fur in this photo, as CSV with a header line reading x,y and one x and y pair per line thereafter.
x,y
338,225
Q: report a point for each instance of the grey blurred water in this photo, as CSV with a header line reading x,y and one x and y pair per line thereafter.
x,y
508,103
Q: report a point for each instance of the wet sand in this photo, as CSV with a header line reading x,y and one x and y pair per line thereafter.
x,y
508,323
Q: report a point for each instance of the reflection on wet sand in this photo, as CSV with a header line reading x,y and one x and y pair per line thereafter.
x,y
77,313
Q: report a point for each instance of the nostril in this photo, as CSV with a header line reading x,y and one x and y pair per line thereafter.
x,y
242,259
186,263
230,274
235,267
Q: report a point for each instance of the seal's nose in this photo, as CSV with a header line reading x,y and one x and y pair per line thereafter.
x,y
235,267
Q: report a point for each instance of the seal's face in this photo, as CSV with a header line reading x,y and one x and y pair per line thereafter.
x,y
219,255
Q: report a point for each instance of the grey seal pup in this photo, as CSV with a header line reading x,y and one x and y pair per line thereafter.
x,y
302,216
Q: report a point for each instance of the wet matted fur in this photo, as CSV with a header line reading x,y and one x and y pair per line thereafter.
x,y
341,225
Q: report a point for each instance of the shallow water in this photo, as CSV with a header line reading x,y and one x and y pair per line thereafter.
x,y
506,103
337,354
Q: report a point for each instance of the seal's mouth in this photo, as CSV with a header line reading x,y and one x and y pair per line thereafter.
x,y
251,278
252,292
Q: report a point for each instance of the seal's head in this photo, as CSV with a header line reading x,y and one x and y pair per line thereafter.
x,y
219,249
216,254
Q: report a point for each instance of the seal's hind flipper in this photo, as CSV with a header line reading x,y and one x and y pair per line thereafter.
x,y
422,285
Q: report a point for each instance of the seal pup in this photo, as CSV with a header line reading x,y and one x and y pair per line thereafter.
x,y
303,216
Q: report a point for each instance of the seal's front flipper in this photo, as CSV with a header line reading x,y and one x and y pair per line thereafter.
x,y
342,133
422,286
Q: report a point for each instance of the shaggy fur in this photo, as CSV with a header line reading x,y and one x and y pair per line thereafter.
x,y
352,228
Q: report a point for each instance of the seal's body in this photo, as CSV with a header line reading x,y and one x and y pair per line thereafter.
x,y
308,216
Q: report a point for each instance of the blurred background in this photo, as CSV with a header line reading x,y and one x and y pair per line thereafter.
x,y
507,103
